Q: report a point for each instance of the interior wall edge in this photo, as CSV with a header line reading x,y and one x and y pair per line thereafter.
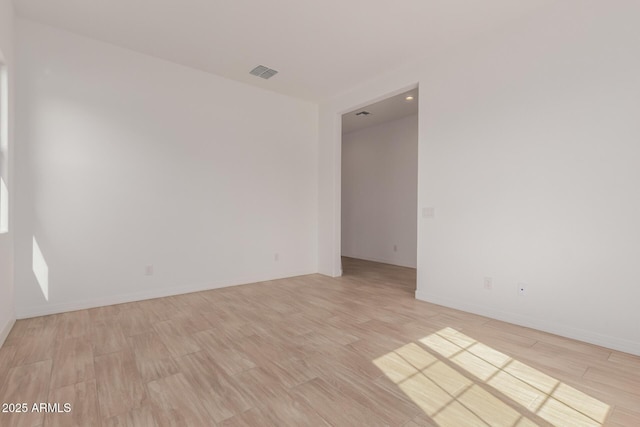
x,y
4,332
613,343
44,310
380,260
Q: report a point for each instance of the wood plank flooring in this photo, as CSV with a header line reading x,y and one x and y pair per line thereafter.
x,y
309,351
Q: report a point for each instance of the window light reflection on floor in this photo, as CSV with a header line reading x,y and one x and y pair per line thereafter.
x,y
457,380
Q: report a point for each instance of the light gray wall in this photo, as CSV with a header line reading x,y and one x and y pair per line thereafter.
x,y
127,161
7,313
380,192
528,151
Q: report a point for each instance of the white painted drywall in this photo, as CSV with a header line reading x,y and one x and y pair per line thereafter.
x,y
7,313
380,192
528,151
126,161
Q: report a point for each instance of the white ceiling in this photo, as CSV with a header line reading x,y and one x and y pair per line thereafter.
x,y
321,48
392,108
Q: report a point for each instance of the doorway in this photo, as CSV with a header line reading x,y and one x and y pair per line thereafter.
x,y
379,189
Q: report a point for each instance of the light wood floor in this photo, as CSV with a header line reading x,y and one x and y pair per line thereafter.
x,y
353,351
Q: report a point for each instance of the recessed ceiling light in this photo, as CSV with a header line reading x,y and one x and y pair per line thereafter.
x,y
409,98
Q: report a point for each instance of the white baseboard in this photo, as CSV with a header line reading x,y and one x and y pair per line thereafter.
x,y
380,260
4,332
44,310
614,343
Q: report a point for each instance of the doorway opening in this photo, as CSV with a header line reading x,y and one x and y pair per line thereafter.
x,y
380,190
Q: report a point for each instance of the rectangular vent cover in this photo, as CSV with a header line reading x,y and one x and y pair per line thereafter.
x,y
264,72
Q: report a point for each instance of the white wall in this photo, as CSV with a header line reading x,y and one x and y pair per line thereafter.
x,y
127,161
7,313
380,192
528,150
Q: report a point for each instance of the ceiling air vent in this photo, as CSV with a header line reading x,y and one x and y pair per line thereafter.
x,y
363,113
264,72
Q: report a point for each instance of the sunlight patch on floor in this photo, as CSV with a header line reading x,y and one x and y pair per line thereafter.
x,y
457,380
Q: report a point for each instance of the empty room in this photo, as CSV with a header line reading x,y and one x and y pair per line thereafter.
x,y
181,241
379,180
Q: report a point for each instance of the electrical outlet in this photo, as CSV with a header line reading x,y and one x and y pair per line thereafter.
x,y
148,270
522,289
488,283
395,248
276,257
428,212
